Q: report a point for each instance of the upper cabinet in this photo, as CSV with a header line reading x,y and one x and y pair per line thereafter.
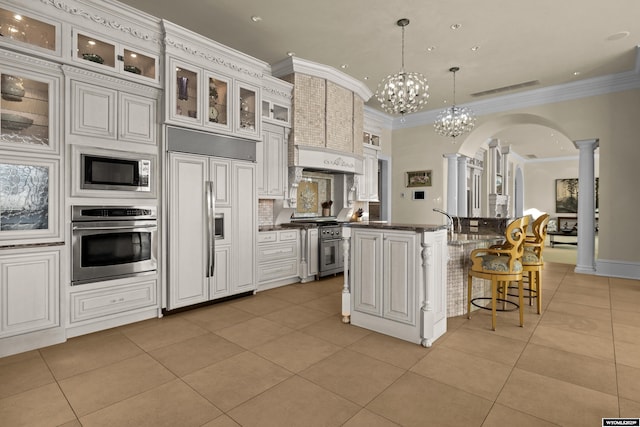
x,y
30,104
276,101
103,54
27,30
211,87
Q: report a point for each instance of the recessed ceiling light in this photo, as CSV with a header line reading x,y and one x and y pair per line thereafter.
x,y
455,26
291,53
576,73
618,36
344,66
431,48
475,48
366,77
256,18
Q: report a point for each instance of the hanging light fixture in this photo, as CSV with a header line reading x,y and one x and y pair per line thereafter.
x,y
455,121
403,92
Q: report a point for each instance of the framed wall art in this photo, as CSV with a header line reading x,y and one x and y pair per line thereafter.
x,y
567,195
419,179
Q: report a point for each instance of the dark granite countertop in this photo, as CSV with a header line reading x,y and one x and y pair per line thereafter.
x,y
459,239
417,228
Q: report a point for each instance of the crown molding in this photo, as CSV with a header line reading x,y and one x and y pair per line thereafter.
x,y
628,80
293,64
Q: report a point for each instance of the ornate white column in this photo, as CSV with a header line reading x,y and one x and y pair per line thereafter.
x,y
452,183
462,187
346,289
586,207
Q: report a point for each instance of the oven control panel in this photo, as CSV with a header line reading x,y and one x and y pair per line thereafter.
x,y
330,233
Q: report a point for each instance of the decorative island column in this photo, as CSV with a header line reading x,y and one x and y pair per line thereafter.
x,y
452,183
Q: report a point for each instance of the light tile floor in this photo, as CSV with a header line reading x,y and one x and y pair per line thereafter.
x,y
283,358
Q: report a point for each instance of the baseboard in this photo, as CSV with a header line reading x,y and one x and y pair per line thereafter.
x,y
624,269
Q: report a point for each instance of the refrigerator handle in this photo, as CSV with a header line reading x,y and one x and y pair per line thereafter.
x,y
211,225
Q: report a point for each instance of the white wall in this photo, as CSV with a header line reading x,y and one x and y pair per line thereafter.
x,y
540,182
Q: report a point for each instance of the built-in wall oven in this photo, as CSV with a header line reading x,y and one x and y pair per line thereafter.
x,y
110,242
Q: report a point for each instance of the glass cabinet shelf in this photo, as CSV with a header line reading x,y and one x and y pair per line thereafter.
x,y
24,29
24,107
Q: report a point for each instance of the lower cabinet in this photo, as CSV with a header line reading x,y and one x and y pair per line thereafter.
x,y
29,299
278,257
385,275
97,306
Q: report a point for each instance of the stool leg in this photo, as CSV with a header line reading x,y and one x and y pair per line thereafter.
x,y
521,300
494,291
539,290
469,284
531,284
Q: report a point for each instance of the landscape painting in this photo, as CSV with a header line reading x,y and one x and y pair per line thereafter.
x,y
567,195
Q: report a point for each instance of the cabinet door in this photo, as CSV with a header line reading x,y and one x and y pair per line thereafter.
x,y
38,34
93,110
137,121
29,200
183,93
371,176
399,277
188,240
221,283
271,166
244,226
217,102
367,284
221,177
29,286
246,110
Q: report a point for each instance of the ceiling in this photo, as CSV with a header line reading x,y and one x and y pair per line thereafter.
x,y
549,41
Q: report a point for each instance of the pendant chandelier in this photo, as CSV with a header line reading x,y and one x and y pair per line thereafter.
x,y
403,92
455,121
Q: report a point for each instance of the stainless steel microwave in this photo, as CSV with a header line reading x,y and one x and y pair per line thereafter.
x,y
115,173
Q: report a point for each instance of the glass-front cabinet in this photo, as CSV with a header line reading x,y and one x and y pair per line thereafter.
x,y
105,54
184,93
247,110
28,31
218,102
275,113
29,200
29,117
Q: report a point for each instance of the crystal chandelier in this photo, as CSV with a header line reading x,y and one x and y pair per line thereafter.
x,y
403,92
455,121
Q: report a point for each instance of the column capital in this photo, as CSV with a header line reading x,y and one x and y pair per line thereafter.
x,y
587,143
494,143
462,160
451,155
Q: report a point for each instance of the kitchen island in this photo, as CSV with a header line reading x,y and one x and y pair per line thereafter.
x,y
395,279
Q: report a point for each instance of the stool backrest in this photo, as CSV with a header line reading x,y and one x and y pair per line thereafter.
x,y
515,236
539,228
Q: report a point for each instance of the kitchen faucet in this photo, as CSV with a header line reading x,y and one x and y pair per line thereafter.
x,y
450,220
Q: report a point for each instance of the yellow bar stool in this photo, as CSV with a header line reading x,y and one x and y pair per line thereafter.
x,y
500,265
532,261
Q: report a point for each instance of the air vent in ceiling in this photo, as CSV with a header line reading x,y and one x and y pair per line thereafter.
x,y
531,156
506,88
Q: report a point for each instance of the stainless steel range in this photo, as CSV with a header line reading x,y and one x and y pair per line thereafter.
x,y
329,244
330,250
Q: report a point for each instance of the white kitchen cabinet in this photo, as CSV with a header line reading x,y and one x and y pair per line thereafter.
x,y
102,54
384,277
397,281
107,113
276,113
30,31
192,278
368,182
278,258
213,101
271,162
30,299
244,226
